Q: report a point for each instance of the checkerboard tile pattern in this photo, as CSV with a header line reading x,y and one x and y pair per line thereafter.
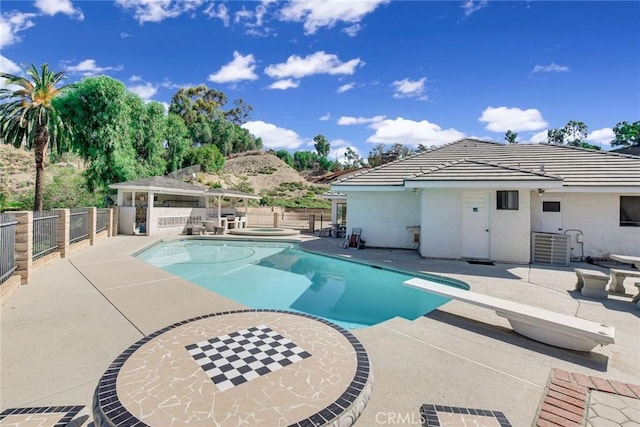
x,y
241,356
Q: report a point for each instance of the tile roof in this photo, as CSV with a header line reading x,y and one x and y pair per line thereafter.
x,y
575,166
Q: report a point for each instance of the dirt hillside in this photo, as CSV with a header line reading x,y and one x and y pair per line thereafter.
x,y
255,170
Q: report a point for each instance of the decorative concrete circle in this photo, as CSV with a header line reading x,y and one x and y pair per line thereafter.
x,y
245,367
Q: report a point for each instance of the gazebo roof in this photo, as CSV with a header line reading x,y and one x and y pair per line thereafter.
x,y
232,194
162,184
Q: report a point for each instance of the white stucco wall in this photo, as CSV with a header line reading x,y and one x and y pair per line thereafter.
x,y
153,227
441,224
597,215
441,227
384,217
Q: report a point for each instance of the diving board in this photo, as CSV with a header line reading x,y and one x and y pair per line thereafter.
x,y
542,325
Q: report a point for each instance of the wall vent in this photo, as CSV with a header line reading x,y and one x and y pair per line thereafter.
x,y
548,248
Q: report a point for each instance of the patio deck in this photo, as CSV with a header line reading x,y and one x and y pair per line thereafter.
x,y
60,333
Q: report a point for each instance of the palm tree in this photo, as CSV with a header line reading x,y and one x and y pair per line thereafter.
x,y
27,116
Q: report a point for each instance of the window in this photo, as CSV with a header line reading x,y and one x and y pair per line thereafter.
x,y
550,206
507,200
629,211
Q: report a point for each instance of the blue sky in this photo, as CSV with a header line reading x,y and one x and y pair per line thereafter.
x,y
358,72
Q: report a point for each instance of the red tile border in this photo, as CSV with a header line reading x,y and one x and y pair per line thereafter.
x,y
566,399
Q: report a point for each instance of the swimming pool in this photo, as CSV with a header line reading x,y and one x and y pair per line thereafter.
x,y
278,275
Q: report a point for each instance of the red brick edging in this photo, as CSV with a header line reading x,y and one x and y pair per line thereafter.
x,y
566,401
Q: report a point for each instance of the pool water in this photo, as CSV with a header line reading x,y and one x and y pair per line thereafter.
x,y
280,276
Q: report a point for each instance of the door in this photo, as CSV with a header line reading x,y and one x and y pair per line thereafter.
x,y
475,225
551,217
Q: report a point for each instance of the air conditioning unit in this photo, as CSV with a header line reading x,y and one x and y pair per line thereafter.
x,y
549,248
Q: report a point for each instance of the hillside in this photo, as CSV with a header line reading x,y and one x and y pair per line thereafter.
x,y
256,172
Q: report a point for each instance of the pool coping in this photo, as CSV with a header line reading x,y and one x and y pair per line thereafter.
x,y
342,412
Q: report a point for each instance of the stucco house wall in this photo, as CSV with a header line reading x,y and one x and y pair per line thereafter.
x,y
597,215
384,217
441,226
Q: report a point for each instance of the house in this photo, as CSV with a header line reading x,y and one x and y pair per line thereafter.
x,y
160,205
486,200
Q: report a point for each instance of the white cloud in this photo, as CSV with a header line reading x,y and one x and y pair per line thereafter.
x,y
8,66
470,6
352,30
221,12
346,87
11,23
158,10
253,20
316,63
602,136
240,68
406,88
410,132
551,68
88,67
326,13
273,136
502,119
539,137
124,35
53,7
325,117
145,91
284,84
135,78
350,121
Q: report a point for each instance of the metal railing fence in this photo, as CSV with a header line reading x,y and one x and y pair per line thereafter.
x,y
78,225
7,246
45,230
101,219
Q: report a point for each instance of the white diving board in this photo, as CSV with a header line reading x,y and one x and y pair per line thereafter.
x,y
542,325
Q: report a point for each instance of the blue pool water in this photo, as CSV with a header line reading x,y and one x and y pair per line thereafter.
x,y
280,276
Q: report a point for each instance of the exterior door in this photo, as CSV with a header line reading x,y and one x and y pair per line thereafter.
x,y
475,225
551,215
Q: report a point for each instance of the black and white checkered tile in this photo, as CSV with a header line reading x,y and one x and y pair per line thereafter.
x,y
240,356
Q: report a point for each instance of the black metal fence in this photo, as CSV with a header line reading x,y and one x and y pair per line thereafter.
x,y
7,246
45,230
101,219
78,225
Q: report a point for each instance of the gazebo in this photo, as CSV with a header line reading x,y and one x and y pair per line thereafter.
x,y
159,205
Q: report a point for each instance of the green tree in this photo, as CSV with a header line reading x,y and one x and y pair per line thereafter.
x,y
202,110
511,137
207,156
285,156
556,136
147,131
352,159
177,140
627,134
575,133
382,154
99,110
28,115
321,145
304,160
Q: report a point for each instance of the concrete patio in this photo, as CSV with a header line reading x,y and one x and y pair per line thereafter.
x,y
62,331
